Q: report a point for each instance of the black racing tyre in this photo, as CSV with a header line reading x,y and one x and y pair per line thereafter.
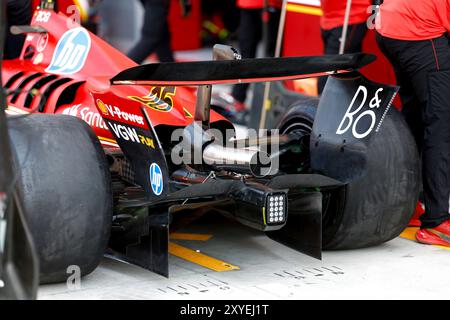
x,y
65,183
377,207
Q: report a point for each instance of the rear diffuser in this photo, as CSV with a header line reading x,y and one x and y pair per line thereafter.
x,y
303,231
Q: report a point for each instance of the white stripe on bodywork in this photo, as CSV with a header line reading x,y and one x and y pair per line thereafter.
x,y
109,144
308,2
14,110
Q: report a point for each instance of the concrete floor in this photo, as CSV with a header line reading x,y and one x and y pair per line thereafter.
x,y
398,269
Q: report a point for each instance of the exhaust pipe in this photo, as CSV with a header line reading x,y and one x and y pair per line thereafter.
x,y
254,162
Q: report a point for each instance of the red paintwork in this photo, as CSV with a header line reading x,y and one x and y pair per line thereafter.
x,y
302,35
185,31
102,63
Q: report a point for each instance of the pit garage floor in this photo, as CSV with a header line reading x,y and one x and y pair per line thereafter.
x,y
400,268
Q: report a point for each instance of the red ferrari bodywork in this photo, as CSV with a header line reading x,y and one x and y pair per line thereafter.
x,y
37,86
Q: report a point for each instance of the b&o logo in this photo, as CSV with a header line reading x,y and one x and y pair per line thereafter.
x,y
353,116
71,52
156,179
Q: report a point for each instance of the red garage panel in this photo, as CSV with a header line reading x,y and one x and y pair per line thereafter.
x,y
185,31
303,38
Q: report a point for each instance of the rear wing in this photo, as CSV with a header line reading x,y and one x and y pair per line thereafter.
x,y
240,71
228,68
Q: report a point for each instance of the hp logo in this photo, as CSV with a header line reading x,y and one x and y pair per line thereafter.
x,y
156,179
71,52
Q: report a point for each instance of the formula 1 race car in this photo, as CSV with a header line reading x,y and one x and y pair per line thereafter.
x,y
115,155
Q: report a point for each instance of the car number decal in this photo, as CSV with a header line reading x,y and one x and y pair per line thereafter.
x,y
159,98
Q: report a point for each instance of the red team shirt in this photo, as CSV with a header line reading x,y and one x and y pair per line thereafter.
x,y
334,13
420,19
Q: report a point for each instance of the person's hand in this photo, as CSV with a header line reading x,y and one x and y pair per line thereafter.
x,y
186,8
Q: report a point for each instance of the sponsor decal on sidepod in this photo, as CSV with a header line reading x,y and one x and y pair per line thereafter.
x,y
130,134
71,52
90,117
116,112
156,179
94,119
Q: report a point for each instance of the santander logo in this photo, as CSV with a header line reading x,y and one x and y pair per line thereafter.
x,y
92,118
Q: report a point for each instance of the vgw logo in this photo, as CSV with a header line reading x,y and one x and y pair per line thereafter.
x,y
156,179
71,52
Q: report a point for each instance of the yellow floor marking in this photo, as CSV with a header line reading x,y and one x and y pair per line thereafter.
x,y
304,9
190,236
410,234
200,258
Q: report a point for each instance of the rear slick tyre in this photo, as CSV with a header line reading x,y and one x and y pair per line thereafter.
x,y
66,190
377,207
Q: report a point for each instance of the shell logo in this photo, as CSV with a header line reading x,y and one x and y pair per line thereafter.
x,y
102,107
